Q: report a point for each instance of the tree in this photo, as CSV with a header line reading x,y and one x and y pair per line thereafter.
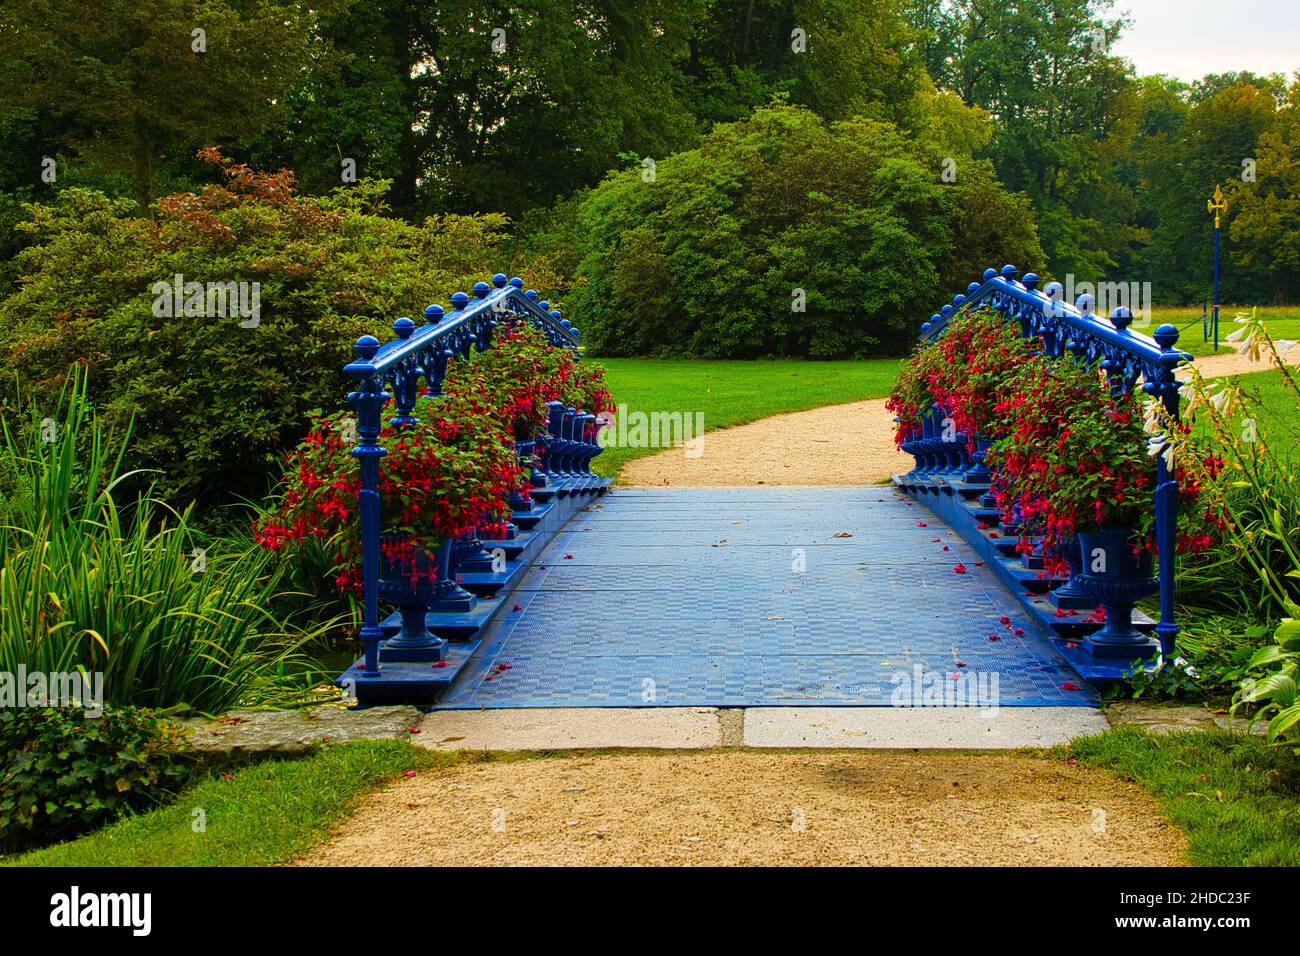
x,y
786,234
1265,212
129,80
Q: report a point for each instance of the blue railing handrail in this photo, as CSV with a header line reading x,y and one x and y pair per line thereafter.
x,y
442,326
1122,353
1047,313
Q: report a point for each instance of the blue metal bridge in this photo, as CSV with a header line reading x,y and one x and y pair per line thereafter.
x,y
911,595
738,597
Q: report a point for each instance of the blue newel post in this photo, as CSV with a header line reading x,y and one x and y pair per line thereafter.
x,y
369,399
1166,391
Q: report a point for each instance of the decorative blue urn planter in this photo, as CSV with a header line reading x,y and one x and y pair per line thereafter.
x,y
412,593
1116,579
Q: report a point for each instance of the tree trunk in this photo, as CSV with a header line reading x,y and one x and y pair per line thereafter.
x,y
142,164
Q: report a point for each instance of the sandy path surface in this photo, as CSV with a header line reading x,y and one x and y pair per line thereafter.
x,y
1216,366
849,444
743,807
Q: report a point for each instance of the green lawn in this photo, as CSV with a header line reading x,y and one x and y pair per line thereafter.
x,y
1283,322
259,815
1234,796
733,392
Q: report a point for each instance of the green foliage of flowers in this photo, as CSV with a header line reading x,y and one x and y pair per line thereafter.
x,y
216,402
94,579
64,772
1068,454
515,378
443,475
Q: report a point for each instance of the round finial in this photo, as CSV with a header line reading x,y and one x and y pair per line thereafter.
x,y
1085,303
574,330
403,327
935,318
499,280
433,314
517,282
1121,317
481,289
989,274
1030,281
544,305
1009,271
458,301
973,287
367,346
531,294
925,326
958,299
1166,337
945,312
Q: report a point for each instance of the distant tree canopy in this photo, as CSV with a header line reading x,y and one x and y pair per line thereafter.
x,y
522,109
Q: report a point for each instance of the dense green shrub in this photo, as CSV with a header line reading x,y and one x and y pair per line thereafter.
x,y
64,772
217,400
90,578
704,256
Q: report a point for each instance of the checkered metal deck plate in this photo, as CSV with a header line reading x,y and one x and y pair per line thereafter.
x,y
760,597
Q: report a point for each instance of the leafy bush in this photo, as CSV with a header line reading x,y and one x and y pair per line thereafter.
x,y
120,589
63,773
217,401
704,259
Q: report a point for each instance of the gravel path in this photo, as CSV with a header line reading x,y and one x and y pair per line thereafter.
x,y
736,808
1217,366
842,445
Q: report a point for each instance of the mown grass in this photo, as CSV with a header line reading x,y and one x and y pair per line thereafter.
x,y
1283,323
733,392
262,814
1233,795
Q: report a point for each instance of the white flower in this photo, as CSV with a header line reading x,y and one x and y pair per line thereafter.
x,y
1236,336
1151,417
1249,347
1162,446
1222,401
1284,345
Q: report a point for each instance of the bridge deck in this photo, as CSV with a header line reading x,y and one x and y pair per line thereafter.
x,y
694,597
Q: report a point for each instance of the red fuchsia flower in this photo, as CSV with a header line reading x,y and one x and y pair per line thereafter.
x,y
517,607
568,557
1069,685
1019,632
408,774
921,524
994,637
959,569
1004,619
945,547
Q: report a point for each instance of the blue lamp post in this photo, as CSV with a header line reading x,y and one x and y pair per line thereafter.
x,y
1218,205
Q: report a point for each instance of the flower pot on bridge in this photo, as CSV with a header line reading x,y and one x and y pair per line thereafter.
x,y
1116,578
412,581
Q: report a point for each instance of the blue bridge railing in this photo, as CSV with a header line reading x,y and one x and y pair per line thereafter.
x,y
1126,356
559,471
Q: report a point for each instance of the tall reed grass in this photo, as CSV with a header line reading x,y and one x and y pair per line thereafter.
x,y
102,578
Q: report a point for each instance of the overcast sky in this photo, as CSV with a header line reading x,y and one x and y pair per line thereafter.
x,y
1189,38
